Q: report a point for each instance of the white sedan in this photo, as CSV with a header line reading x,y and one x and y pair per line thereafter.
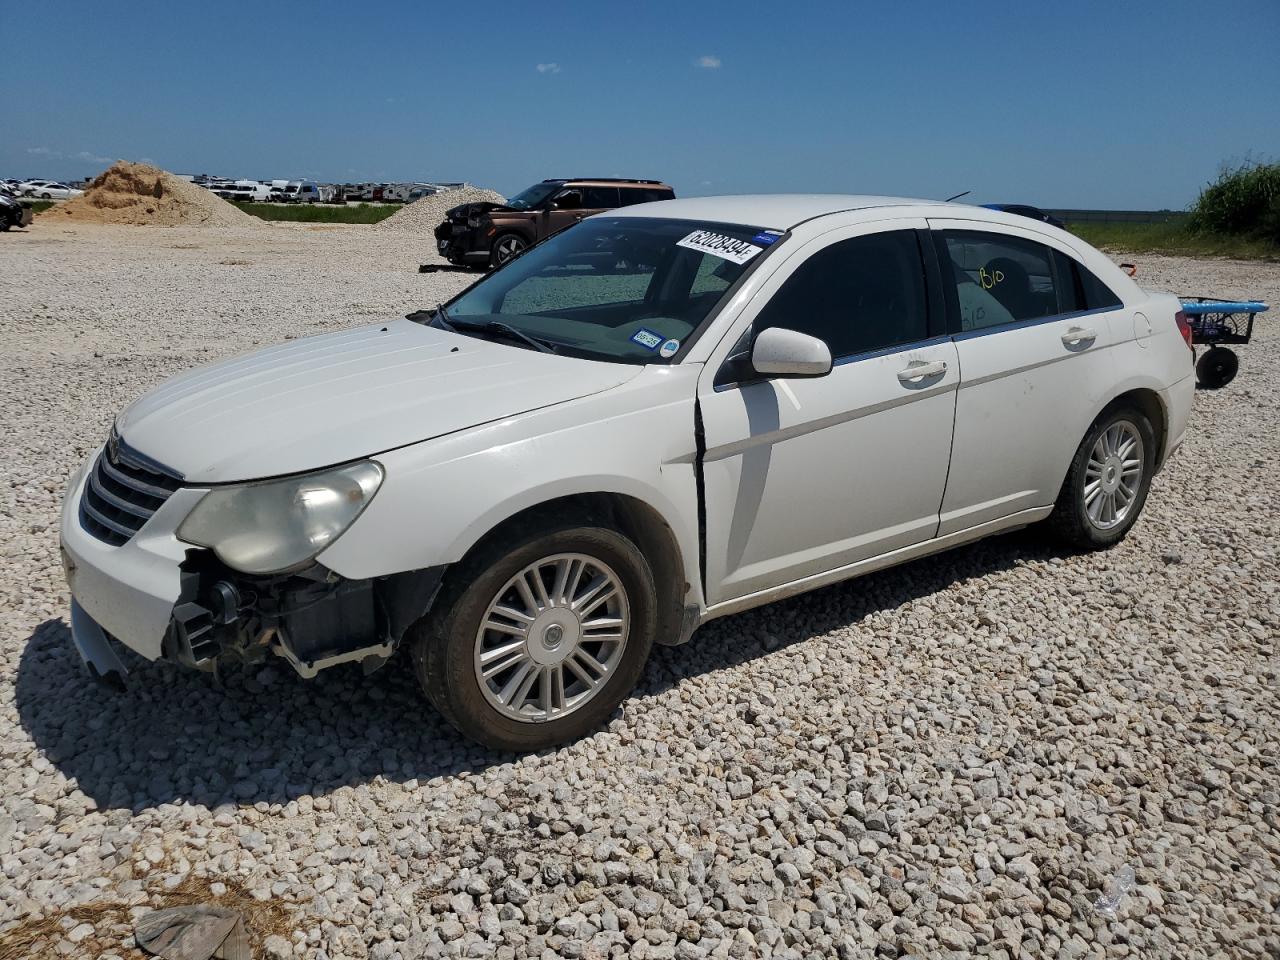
x,y
664,414
49,190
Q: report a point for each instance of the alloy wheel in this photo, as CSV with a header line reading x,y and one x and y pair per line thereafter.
x,y
509,248
1113,475
552,637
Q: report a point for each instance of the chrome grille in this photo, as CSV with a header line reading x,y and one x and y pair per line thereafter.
x,y
123,490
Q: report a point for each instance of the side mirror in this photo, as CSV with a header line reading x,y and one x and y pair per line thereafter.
x,y
778,352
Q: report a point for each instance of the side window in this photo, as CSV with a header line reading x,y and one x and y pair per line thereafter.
x,y
1001,279
599,198
857,295
633,195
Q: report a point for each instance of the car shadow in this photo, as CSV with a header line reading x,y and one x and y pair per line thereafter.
x,y
260,734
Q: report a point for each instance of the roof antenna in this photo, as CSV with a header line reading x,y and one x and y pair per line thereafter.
x,y
957,196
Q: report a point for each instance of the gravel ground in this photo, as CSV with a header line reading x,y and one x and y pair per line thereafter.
x,y
950,757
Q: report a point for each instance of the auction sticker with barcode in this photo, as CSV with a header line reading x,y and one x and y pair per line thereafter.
x,y
718,245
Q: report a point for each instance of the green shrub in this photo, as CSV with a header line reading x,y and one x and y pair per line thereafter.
x,y
1244,201
320,212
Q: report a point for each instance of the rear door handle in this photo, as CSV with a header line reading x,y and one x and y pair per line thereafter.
x,y
1079,335
920,370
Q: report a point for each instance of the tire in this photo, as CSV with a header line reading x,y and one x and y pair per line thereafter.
x,y
46,196
506,247
447,644
1216,368
1092,526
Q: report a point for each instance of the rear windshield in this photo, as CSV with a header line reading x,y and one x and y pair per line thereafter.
x,y
628,289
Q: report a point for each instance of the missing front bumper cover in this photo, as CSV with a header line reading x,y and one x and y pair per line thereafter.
x,y
313,619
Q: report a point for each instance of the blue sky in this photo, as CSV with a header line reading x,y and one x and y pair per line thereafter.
x,y
1081,103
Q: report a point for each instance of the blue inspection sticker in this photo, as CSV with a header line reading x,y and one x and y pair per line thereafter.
x,y
647,338
764,237
669,349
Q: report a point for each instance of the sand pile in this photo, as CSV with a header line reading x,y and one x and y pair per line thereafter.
x,y
135,193
423,216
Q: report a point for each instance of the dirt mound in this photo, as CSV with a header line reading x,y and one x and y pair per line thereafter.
x,y
423,216
142,195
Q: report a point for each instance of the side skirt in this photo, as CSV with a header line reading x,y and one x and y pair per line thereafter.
x,y
872,564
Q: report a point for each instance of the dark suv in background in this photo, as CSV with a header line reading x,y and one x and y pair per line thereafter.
x,y
490,234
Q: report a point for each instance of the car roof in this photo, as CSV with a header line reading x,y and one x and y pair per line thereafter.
x,y
607,182
780,211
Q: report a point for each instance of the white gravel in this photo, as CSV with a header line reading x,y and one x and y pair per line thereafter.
x,y
949,757
424,215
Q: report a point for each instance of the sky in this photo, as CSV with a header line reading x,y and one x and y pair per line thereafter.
x,y
1090,104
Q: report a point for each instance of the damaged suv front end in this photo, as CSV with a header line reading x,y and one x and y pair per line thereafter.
x,y
202,575
466,233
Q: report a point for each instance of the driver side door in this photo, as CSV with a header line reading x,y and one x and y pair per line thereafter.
x,y
805,476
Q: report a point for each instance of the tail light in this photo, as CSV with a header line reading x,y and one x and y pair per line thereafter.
x,y
1184,328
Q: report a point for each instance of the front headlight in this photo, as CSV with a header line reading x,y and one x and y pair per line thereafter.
x,y
280,525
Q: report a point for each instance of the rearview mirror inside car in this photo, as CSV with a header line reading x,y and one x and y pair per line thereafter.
x,y
778,352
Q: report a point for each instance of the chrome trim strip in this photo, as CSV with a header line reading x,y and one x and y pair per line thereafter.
x,y
121,529
125,480
115,501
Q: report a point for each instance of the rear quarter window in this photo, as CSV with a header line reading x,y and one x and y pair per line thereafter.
x,y
1097,295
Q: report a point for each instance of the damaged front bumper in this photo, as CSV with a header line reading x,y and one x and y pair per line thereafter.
x,y
461,242
166,599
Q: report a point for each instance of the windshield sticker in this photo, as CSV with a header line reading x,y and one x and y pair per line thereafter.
x,y
764,237
647,338
669,348
718,245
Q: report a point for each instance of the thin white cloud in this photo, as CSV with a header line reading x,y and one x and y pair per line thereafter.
x,y
548,68
708,62
84,156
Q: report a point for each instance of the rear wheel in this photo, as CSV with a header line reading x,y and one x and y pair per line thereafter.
x,y
541,637
1107,483
1217,368
506,247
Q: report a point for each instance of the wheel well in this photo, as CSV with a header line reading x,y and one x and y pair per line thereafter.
x,y
1148,401
634,519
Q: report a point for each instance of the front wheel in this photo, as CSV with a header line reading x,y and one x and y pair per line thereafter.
x,y
540,638
1108,481
506,248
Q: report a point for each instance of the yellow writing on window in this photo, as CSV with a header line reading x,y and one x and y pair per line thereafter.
x,y
989,280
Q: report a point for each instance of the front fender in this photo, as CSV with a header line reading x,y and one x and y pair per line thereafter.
x,y
441,496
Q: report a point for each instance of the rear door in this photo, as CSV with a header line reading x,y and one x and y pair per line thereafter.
x,y
804,476
1035,368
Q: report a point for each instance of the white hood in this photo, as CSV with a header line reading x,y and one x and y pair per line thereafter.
x,y
338,397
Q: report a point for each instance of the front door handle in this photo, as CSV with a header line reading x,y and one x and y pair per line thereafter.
x,y
1078,336
919,370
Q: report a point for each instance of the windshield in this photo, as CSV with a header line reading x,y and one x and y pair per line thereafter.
x,y
528,199
626,289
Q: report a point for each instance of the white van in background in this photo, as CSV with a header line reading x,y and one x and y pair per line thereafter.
x,y
301,191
